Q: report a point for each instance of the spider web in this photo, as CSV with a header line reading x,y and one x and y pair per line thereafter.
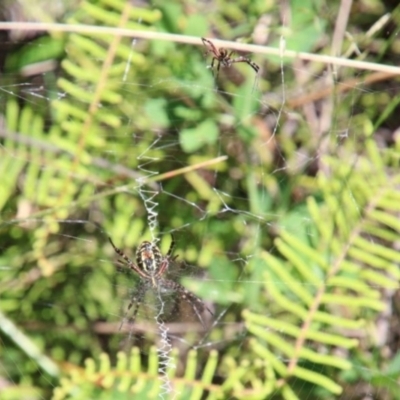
x,y
68,291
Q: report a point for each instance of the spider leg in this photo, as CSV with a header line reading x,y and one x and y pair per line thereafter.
x,y
120,252
113,245
212,64
129,263
210,48
197,313
218,67
215,74
171,247
197,304
252,64
136,301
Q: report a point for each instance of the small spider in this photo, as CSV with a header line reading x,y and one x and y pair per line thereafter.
x,y
223,58
150,266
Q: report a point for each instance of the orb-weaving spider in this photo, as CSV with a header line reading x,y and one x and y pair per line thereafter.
x,y
224,58
150,266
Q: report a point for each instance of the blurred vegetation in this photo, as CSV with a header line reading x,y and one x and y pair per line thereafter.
x,y
295,231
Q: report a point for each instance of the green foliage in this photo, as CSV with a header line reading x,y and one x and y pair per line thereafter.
x,y
329,286
130,376
194,139
42,49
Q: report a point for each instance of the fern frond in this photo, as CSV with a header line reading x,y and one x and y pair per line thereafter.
x,y
323,294
84,70
101,379
54,179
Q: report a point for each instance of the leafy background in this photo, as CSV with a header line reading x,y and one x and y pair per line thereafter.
x,y
295,231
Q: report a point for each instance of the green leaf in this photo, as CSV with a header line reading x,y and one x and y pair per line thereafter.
x,y
156,109
195,138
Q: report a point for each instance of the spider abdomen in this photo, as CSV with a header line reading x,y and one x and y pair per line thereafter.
x,y
148,258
